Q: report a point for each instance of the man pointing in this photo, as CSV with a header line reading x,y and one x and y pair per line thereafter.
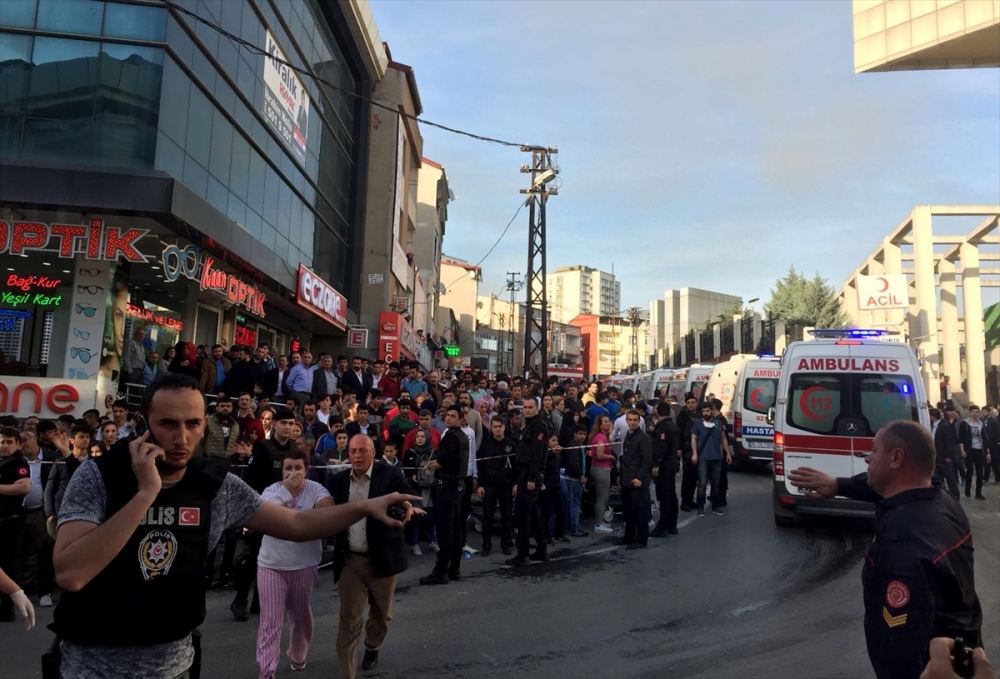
x,y
135,528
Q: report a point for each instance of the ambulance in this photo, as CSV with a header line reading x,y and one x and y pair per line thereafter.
x,y
687,379
833,395
650,381
747,384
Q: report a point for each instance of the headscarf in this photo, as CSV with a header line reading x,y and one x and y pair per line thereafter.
x,y
257,426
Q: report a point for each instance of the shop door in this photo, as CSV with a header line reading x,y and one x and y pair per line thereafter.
x,y
207,326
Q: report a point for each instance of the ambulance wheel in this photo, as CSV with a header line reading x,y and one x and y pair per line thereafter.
x,y
782,521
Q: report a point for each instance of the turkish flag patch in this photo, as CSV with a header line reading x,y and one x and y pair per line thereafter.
x,y
189,516
897,594
541,437
23,471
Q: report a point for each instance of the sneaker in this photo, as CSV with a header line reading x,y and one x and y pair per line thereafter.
x,y
507,551
701,512
719,512
652,524
561,538
686,508
603,528
416,551
433,546
470,550
45,601
298,666
455,576
579,533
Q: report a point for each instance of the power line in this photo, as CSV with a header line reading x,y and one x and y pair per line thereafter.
x,y
258,50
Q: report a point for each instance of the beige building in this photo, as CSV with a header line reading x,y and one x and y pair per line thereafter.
x,y
681,311
433,196
461,295
908,35
575,290
388,275
951,341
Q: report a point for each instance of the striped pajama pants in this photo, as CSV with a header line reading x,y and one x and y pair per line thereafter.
x,y
282,591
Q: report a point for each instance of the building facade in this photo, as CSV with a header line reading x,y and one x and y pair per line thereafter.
x,y
159,179
461,295
682,311
433,196
609,345
575,290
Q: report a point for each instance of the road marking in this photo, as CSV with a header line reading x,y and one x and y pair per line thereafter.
x,y
748,608
690,519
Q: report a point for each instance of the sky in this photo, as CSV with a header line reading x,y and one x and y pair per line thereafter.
x,y
704,144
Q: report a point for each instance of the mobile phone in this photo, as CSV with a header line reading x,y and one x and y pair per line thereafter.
x,y
962,659
141,427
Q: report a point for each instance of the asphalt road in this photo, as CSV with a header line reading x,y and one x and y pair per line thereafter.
x,y
730,596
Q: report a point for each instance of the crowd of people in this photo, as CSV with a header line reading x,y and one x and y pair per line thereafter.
x,y
554,459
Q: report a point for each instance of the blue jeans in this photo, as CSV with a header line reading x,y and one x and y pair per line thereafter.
x,y
708,470
413,530
573,497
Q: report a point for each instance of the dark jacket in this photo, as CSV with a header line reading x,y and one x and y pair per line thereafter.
x,y
495,461
637,458
264,466
350,382
967,435
945,445
665,445
574,461
685,419
209,372
918,579
386,548
532,451
453,455
239,379
553,463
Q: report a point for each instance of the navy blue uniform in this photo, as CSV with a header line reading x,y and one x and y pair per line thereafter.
x,y
918,577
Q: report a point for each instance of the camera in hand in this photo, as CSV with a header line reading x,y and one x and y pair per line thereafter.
x,y
398,512
962,661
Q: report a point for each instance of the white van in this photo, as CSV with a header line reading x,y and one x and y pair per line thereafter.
x,y
650,381
687,379
833,395
624,382
746,384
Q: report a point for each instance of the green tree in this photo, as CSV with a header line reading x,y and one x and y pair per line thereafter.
x,y
801,301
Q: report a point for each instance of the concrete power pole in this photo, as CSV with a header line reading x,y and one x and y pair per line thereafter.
x,y
543,172
633,319
513,285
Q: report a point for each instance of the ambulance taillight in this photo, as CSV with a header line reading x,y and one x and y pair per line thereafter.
x,y
738,424
779,454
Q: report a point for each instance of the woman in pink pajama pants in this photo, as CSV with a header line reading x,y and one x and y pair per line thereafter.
x,y
286,571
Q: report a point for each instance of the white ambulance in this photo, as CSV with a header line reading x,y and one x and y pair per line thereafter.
x,y
690,379
833,395
650,381
747,384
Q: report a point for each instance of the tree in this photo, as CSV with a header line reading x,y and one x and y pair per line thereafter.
x,y
801,301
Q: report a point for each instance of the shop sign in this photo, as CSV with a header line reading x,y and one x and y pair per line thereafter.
x,y
452,350
39,396
26,283
357,338
398,339
150,316
321,298
39,298
242,335
94,242
9,319
198,266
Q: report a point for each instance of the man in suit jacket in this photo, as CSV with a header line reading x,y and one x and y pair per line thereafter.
x,y
357,380
274,380
366,558
947,454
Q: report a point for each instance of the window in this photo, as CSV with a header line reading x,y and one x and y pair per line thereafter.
x,y
848,404
15,68
817,402
886,399
70,16
63,79
130,84
18,13
135,21
759,394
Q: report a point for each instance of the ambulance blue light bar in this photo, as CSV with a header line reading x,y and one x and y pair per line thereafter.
x,y
847,333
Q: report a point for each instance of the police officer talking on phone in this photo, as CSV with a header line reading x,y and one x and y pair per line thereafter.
x,y
918,572
135,527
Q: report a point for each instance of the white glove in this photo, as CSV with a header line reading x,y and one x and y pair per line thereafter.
x,y
24,607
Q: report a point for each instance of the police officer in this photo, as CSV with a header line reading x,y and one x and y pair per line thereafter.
x,y
15,483
450,467
666,464
135,527
637,465
531,455
918,572
263,469
496,485
689,471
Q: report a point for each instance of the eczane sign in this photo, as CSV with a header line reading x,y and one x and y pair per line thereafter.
x,y
321,298
883,292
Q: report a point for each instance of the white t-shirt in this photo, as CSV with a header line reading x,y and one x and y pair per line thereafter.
x,y
976,430
284,555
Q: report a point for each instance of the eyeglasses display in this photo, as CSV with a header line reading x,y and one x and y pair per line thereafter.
x,y
90,272
77,374
86,310
82,353
82,334
89,289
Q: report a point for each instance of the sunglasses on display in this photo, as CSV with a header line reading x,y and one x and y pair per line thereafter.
x,y
82,334
76,374
86,310
83,354
89,289
90,272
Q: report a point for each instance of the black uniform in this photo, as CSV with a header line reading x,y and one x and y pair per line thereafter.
x,y
12,469
918,577
263,469
495,462
667,463
689,472
551,495
637,464
531,454
453,456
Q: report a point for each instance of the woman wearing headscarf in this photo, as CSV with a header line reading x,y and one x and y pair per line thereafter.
x,y
186,361
422,479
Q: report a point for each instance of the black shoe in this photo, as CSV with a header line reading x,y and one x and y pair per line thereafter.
x,y
672,531
657,533
549,541
507,551
485,551
519,561
255,606
635,545
239,609
539,556
370,660
455,577
624,543
434,578
979,497
579,533
686,508
561,538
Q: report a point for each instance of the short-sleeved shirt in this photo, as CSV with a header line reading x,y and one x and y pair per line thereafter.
x,y
86,500
12,469
709,439
284,555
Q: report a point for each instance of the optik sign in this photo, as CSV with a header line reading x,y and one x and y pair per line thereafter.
x,y
321,298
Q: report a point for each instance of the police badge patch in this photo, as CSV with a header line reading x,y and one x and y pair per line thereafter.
x,y
156,553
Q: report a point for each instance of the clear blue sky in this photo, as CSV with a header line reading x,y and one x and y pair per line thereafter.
x,y
704,144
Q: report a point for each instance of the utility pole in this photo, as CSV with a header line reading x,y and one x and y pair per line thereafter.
x,y
513,285
543,172
500,345
633,319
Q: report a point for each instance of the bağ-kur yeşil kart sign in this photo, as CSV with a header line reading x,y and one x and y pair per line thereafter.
x,y
286,101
